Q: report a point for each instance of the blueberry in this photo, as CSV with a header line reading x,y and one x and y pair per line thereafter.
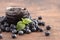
x,y
2,28
37,27
12,26
14,36
48,27
41,23
0,31
31,25
11,29
7,29
39,18
0,24
0,36
24,30
33,29
14,31
6,24
20,32
41,30
27,27
28,31
3,19
47,33
35,21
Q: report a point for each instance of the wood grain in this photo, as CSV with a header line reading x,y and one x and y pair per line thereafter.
x,y
50,16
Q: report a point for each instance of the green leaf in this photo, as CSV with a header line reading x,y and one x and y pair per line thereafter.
x,y
26,21
20,25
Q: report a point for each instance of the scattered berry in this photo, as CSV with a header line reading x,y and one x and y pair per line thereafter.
x,y
41,30
14,36
39,18
47,33
41,23
48,27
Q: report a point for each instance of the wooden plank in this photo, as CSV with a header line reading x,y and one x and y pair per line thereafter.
x,y
51,17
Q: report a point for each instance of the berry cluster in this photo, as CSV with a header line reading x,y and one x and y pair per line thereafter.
x,y
13,15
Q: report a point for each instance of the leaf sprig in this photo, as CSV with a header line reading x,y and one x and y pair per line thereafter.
x,y
22,24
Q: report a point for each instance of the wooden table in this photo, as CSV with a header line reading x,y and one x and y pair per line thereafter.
x,y
51,17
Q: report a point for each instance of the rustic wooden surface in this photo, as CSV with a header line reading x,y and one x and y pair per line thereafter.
x,y
50,16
